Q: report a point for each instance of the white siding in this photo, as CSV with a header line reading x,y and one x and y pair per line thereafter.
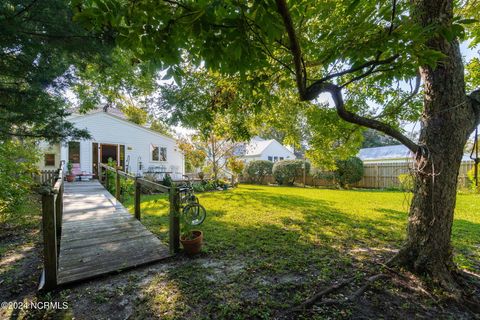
x,y
45,148
108,129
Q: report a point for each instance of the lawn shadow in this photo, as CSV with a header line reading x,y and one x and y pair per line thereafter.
x,y
264,266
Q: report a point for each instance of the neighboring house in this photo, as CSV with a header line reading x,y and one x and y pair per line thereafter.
x,y
260,149
133,147
396,153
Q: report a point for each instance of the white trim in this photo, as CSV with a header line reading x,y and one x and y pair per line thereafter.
x,y
159,147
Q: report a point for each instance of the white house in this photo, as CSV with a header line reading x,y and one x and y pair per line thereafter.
x,y
270,150
135,148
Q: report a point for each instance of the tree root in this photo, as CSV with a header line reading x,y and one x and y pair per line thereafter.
x,y
308,303
354,296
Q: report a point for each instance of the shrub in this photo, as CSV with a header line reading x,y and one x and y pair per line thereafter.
x,y
348,171
286,171
406,181
257,170
17,165
471,178
322,174
198,187
167,180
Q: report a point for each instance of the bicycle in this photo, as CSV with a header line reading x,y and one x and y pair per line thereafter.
x,y
192,211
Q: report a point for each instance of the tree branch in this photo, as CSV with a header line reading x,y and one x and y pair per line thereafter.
x,y
413,93
372,64
311,92
300,74
336,93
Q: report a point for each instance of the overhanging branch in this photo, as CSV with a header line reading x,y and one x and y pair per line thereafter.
x,y
317,87
336,93
300,74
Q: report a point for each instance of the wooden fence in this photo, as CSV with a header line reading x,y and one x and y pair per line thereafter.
x,y
385,175
52,212
379,175
45,177
174,220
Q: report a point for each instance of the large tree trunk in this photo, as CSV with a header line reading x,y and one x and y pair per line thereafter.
x,y
447,122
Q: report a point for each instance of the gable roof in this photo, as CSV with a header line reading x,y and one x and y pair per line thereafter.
x,y
257,146
396,152
384,153
113,111
119,119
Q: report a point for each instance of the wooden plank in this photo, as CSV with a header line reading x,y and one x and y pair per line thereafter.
x,y
174,221
117,184
83,274
100,236
138,194
153,185
49,242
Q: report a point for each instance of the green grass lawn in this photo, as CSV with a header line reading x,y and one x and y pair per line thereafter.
x,y
267,248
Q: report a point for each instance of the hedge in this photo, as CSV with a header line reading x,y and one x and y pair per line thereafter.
x,y
256,171
285,171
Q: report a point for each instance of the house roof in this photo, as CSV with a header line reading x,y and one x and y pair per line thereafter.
x,y
120,119
112,111
396,152
384,153
256,147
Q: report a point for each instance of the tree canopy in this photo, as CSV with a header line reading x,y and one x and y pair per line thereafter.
x,y
40,44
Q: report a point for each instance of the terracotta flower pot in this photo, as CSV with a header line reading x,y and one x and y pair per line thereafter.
x,y
70,177
192,246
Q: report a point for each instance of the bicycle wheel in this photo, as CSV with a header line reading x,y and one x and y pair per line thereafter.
x,y
193,198
194,214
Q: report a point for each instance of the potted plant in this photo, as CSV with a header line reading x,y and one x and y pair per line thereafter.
x,y
70,176
191,240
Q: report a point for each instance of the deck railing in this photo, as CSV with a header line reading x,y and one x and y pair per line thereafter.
x,y
52,212
45,177
174,220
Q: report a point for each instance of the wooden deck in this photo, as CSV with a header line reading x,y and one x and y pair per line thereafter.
x,y
100,236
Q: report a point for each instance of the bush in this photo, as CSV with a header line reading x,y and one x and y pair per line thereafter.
x,y
167,180
471,178
286,171
257,170
406,181
348,171
318,173
18,163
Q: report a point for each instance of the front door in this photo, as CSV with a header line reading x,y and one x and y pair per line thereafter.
x,y
109,151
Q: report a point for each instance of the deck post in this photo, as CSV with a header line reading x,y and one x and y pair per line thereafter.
x,y
117,184
49,241
174,230
106,178
138,193
59,211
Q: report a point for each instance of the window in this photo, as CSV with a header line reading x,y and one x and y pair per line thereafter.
x,y
49,159
74,151
281,158
275,159
158,153
270,159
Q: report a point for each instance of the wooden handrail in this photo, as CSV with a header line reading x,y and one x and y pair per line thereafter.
x,y
52,213
174,228
153,185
